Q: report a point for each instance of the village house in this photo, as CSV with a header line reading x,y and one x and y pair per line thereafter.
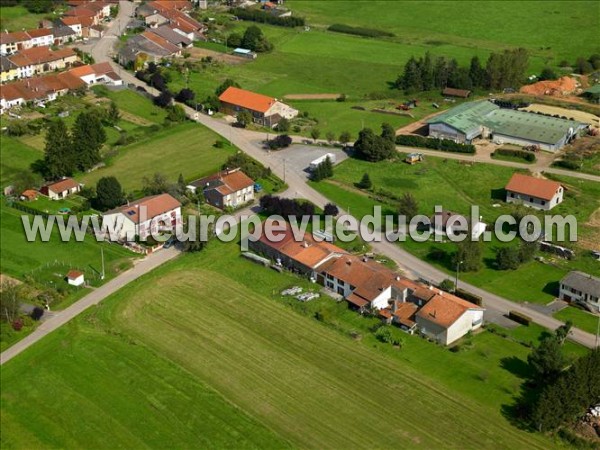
x,y
445,318
41,37
581,288
227,189
534,192
78,25
144,217
300,257
168,33
266,111
13,42
75,278
61,189
9,71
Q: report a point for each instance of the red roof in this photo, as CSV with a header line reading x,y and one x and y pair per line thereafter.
x,y
534,187
247,99
63,185
154,206
39,32
444,309
74,274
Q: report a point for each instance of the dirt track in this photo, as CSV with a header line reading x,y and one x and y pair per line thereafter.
x,y
198,53
311,96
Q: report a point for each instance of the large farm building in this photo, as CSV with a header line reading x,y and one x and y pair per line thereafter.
x,y
485,119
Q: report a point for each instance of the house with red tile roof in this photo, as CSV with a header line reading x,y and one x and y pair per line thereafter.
x,y
227,189
266,111
38,60
61,189
534,192
446,318
144,217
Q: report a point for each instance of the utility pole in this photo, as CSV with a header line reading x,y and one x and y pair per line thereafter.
x,y
598,330
284,170
102,253
458,263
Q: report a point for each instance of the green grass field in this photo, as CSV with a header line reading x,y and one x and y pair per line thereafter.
x,y
581,319
455,187
16,18
186,149
238,367
136,104
15,156
489,25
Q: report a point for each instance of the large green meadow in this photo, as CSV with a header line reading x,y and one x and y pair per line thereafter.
x,y
186,149
205,352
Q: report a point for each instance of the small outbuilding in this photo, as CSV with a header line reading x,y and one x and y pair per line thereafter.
x,y
75,278
28,195
61,189
244,53
460,93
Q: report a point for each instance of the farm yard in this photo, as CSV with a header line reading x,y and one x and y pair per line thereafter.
x,y
456,186
295,381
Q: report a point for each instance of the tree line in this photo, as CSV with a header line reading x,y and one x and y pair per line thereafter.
x,y
502,70
256,15
372,147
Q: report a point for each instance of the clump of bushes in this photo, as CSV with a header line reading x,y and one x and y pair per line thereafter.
x,y
527,156
444,145
359,31
278,142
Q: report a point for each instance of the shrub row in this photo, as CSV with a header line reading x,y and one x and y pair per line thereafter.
x,y
519,318
568,164
359,31
256,15
527,156
444,145
476,299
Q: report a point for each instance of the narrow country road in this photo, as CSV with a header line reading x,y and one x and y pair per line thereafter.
x,y
251,143
93,298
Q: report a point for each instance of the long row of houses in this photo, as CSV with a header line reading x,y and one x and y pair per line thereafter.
x,y
370,287
35,61
43,89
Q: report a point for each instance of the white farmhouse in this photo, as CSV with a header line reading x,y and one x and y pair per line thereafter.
x,y
144,217
534,192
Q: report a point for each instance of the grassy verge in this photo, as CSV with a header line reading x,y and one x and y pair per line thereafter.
x,y
581,319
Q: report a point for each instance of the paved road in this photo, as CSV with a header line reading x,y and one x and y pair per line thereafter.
x,y
93,298
295,177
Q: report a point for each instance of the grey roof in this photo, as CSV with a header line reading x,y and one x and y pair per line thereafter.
x,y
166,32
582,282
139,44
63,31
6,64
466,117
470,117
530,126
